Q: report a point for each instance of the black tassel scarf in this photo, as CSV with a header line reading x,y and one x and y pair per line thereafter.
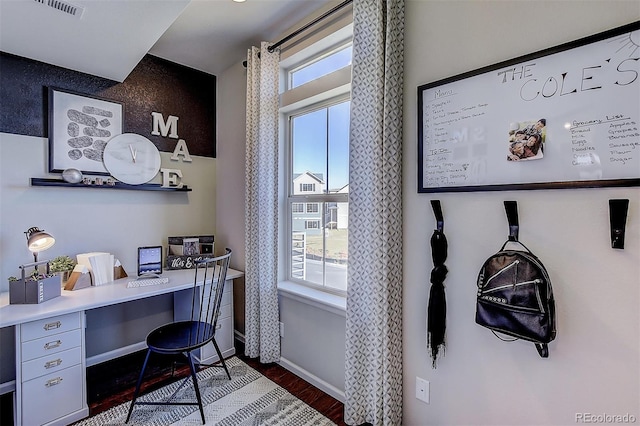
x,y
437,310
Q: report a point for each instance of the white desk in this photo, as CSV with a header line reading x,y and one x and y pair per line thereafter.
x,y
58,324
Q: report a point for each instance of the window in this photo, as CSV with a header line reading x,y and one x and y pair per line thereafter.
x,y
324,65
319,149
316,144
312,224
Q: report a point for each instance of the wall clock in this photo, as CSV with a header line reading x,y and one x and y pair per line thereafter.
x,y
131,158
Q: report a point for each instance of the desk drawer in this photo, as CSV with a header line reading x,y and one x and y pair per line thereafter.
x,y
49,326
51,363
224,334
48,345
52,396
224,338
225,311
226,295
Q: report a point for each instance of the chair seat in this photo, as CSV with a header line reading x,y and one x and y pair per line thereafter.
x,y
180,336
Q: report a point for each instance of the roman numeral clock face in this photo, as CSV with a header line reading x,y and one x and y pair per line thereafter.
x,y
131,158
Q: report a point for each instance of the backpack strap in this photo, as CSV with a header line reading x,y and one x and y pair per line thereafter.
x,y
511,208
543,349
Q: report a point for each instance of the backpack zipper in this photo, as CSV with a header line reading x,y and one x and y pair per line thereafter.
x,y
514,263
513,286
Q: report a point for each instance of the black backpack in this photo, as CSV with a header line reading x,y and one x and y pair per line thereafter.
x,y
514,293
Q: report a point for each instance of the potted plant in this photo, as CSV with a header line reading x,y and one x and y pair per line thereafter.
x,y
62,265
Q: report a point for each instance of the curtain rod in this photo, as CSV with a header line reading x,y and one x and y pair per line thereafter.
x,y
305,27
310,24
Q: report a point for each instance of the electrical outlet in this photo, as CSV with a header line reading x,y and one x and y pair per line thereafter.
x,y
422,389
281,329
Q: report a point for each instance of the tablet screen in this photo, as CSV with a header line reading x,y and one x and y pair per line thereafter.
x,y
150,260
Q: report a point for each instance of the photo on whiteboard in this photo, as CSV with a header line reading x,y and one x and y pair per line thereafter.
x,y
526,140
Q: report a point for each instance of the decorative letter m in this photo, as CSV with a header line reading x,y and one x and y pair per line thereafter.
x,y
160,127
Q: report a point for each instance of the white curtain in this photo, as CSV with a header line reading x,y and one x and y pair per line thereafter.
x,y
262,331
373,367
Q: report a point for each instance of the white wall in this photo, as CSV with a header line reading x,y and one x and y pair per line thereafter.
x,y
594,364
86,219
230,206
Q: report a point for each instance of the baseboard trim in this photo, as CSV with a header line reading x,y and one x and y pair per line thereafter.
x,y
304,374
313,379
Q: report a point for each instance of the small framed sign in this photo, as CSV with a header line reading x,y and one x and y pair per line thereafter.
x,y
184,251
79,128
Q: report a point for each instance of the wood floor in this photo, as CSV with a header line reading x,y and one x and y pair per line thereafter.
x,y
113,382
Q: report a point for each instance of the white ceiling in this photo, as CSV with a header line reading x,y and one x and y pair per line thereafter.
x,y
112,36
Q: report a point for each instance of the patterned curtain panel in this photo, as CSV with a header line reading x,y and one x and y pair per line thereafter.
x,y
262,332
373,376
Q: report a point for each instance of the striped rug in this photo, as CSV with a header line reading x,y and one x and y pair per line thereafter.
x,y
249,398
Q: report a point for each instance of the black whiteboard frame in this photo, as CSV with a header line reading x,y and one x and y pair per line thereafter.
x,y
598,183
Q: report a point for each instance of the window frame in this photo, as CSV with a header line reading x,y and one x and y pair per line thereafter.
x,y
321,199
328,89
314,59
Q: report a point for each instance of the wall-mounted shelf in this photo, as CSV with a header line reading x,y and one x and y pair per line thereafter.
x,y
118,185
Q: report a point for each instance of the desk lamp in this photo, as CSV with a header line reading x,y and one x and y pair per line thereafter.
x,y
37,241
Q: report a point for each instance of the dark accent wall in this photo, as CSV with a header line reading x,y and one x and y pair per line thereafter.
x,y
154,85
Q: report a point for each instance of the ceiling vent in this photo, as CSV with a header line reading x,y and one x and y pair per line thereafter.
x,y
63,6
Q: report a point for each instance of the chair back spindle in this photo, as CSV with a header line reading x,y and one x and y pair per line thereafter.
x,y
209,281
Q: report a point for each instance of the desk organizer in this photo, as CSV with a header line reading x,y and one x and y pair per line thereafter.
x,y
28,290
184,251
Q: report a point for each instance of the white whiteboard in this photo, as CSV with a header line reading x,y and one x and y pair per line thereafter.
x,y
584,95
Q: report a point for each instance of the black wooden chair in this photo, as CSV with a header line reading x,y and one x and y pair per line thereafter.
x,y
183,337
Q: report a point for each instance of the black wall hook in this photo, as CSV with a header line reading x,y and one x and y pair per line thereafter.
x,y
618,220
511,207
437,212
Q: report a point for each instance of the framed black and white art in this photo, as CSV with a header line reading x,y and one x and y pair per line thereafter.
x,y
79,128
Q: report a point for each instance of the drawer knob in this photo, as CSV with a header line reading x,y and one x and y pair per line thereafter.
x,y
52,325
53,382
52,345
218,327
53,363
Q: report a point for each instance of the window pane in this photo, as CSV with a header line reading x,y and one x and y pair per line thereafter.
x,y
335,245
319,253
309,151
320,150
338,149
324,66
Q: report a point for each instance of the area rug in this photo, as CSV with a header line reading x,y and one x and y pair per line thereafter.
x,y
249,398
